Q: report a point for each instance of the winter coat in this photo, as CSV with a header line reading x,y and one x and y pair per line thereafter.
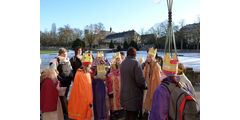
x,y
132,84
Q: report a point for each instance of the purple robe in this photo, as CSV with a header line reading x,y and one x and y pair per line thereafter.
x,y
99,102
160,103
99,93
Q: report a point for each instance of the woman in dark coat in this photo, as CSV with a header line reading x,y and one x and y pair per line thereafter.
x,y
76,60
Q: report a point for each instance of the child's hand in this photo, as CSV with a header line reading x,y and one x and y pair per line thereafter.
x,y
104,77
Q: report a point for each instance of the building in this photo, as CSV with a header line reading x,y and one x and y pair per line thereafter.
x,y
119,38
191,33
100,37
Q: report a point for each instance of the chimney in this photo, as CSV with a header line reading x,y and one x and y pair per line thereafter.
x,y
110,29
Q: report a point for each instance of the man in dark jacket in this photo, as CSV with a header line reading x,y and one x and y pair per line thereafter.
x,y
132,85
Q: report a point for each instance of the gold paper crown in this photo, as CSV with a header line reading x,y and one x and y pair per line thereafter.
x,y
170,65
87,59
152,52
117,55
100,54
113,59
141,60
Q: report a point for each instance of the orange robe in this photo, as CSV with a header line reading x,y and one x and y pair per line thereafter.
x,y
81,97
153,81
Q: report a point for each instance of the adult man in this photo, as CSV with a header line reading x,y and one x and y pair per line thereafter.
x,y
132,85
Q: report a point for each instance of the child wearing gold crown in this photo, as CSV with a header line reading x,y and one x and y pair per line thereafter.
x,y
163,100
114,85
182,78
99,88
81,97
160,102
152,74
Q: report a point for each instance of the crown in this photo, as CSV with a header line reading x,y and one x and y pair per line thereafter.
x,y
100,54
117,55
113,59
87,59
152,52
170,65
141,60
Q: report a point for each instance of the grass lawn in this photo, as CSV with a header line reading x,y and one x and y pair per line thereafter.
x,y
47,51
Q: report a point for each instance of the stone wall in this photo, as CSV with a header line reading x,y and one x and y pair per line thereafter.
x,y
193,76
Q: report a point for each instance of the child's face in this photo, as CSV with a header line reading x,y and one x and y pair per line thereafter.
x,y
149,58
118,61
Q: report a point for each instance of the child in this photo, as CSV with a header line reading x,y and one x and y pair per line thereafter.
x,y
81,97
114,86
184,80
50,91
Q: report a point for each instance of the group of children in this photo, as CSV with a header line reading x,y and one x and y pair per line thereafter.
x,y
96,86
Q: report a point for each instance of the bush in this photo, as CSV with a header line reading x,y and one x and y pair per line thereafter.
x,y
125,45
111,45
119,48
77,43
133,44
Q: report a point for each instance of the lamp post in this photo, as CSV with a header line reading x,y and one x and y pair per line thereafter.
x,y
170,38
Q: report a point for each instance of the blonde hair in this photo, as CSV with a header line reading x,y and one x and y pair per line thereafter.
x,y
181,66
87,68
49,73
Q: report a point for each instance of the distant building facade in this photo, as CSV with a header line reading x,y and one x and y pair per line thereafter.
x,y
191,33
119,38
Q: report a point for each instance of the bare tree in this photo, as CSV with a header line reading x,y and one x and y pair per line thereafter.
x,y
197,20
77,33
182,23
66,35
89,34
142,31
101,26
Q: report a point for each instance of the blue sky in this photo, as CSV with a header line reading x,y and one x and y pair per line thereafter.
x,y
121,15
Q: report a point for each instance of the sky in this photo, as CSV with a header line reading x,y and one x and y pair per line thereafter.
x,y
121,15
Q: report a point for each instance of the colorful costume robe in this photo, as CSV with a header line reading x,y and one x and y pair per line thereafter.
x,y
81,97
153,80
186,84
114,86
50,103
99,96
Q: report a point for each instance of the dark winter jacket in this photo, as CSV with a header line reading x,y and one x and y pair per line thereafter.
x,y
132,84
76,63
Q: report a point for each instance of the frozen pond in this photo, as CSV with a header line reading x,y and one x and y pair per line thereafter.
x,y
191,60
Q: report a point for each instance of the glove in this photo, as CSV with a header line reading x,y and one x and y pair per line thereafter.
x,y
90,105
110,95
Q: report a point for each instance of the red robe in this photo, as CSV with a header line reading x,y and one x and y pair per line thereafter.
x,y
114,86
48,96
